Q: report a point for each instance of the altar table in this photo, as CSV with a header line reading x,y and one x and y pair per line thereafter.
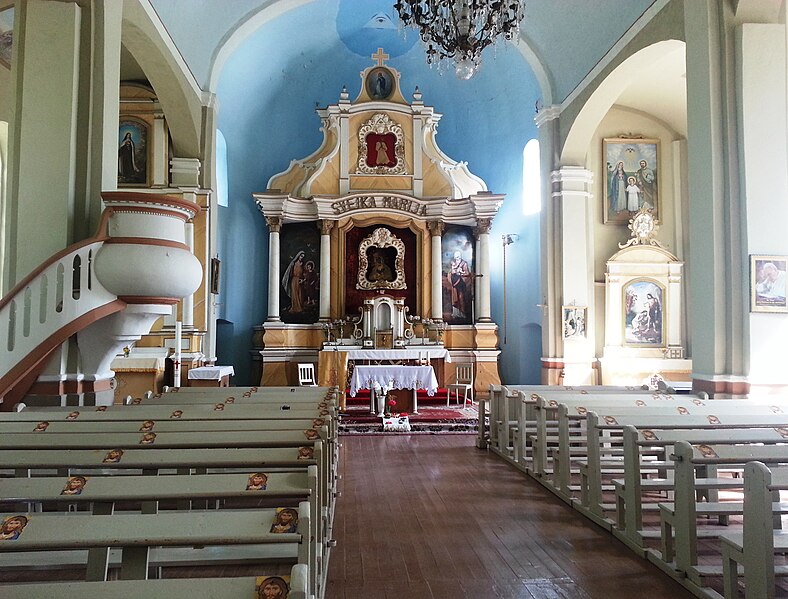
x,y
210,376
393,376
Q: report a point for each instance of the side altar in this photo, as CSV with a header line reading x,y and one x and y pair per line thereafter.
x,y
378,242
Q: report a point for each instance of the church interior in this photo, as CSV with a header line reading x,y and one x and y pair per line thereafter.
x,y
510,263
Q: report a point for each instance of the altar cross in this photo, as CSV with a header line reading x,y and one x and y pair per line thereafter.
x,y
380,57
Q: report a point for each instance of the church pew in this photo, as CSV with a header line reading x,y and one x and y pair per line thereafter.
x,y
679,518
188,399
218,411
629,501
755,546
723,414
100,493
176,588
572,414
136,534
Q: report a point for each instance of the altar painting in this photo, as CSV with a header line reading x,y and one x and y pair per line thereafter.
x,y
643,308
378,269
457,281
299,289
6,36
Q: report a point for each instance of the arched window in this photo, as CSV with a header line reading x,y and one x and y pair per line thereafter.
x,y
532,178
222,197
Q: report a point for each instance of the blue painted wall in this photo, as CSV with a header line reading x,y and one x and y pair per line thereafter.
x,y
267,96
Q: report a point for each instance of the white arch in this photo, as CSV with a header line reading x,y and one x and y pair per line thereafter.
x,y
246,26
605,95
176,88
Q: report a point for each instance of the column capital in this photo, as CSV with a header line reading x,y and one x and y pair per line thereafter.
x,y
436,227
547,114
325,226
274,223
483,226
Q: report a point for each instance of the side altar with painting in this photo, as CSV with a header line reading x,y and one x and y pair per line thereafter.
x,y
378,247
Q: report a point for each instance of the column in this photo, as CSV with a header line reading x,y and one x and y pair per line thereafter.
x,y
274,225
325,227
436,231
482,232
188,301
573,247
159,161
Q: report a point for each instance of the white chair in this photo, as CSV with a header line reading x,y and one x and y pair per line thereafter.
x,y
463,381
306,375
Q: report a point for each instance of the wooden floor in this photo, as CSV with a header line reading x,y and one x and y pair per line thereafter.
x,y
432,517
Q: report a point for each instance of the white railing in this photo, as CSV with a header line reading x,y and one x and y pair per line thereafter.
x,y
41,309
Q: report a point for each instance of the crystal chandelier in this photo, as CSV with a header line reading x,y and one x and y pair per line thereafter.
x,y
461,29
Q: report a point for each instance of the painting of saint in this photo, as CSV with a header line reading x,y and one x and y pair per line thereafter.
x,y
643,313
74,485
286,521
257,482
299,291
381,150
271,587
457,258
631,178
132,153
574,322
380,262
380,83
12,527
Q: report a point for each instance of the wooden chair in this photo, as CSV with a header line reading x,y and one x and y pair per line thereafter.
x,y
463,381
306,375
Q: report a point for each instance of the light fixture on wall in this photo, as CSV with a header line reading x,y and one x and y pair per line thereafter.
x,y
461,29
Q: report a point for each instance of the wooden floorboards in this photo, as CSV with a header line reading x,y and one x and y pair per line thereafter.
x,y
432,517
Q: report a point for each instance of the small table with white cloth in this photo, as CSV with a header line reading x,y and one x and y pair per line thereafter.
x,y
210,376
393,376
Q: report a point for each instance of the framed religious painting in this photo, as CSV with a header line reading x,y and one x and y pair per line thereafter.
x,y
457,280
6,36
767,283
299,289
133,152
631,168
574,321
379,83
642,308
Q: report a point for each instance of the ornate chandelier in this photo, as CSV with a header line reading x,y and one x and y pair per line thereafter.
x,y
461,29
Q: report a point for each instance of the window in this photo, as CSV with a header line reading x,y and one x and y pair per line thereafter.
x,y
222,196
532,178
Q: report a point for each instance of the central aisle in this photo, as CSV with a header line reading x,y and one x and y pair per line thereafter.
x,y
431,516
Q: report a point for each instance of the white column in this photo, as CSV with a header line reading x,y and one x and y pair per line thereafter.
x,y
274,224
176,374
160,151
674,306
436,230
188,301
325,268
483,266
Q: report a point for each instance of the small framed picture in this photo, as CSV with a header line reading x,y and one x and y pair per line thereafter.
x,y
631,178
767,283
574,322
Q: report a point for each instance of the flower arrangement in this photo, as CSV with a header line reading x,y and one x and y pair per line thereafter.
x,y
390,403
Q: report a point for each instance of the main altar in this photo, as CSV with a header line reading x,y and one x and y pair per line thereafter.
x,y
378,247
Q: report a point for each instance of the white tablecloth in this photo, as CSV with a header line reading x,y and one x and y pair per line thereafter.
x,y
398,354
394,376
211,373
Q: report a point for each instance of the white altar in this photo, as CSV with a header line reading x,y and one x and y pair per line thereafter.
x,y
393,377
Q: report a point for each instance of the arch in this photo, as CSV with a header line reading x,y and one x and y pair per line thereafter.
x,y
144,36
605,96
